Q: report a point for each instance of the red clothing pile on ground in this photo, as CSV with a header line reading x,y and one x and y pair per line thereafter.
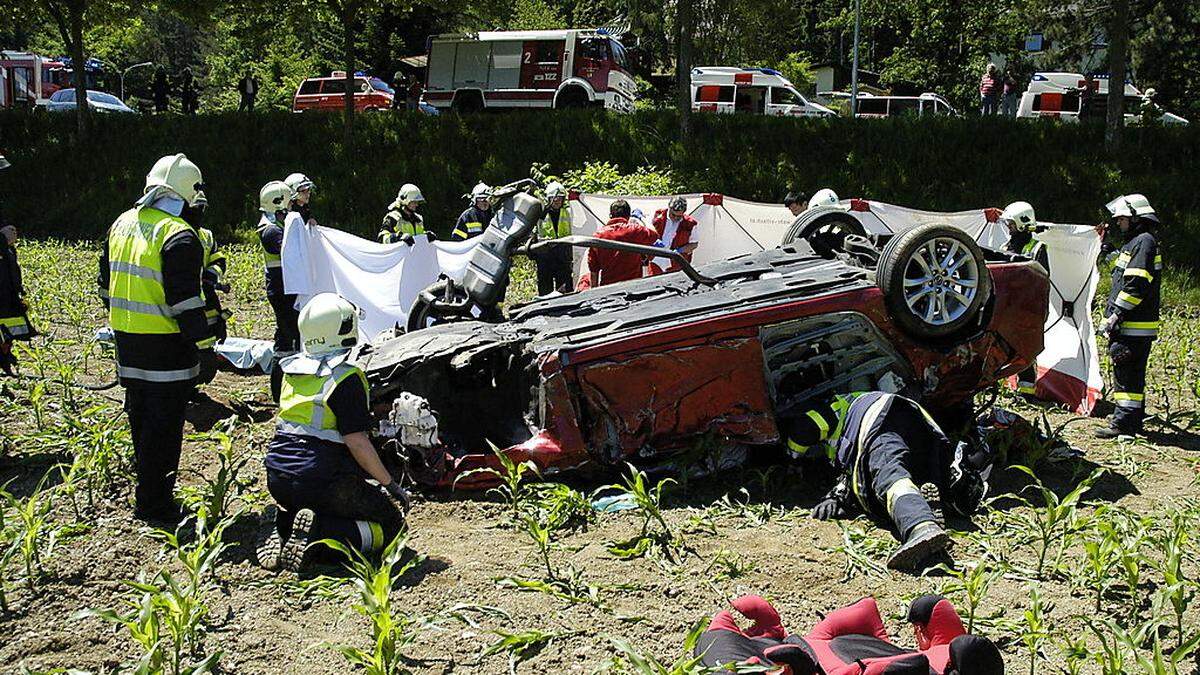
x,y
683,236
611,267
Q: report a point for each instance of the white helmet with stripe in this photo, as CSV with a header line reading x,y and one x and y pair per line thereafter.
x,y
274,196
328,324
177,174
298,181
409,193
555,189
823,197
1130,206
1020,215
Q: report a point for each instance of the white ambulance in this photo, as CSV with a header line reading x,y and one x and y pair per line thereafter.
x,y
760,91
1059,96
529,69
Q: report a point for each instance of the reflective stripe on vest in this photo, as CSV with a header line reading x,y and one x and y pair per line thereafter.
x,y
302,403
270,260
16,326
137,300
158,375
868,423
546,229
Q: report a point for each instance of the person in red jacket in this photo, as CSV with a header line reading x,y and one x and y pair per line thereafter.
x,y
609,267
675,229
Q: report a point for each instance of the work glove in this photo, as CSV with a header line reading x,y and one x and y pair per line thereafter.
x,y
208,365
829,509
399,494
407,239
1109,327
431,237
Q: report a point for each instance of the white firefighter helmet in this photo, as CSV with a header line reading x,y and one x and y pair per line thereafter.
x,y
555,189
481,191
1021,215
274,196
298,181
178,174
1130,205
409,193
328,324
823,197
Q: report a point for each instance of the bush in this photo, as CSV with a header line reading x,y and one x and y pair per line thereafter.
x,y
942,164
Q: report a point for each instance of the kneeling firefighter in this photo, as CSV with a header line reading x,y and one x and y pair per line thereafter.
x,y
1132,311
886,446
321,460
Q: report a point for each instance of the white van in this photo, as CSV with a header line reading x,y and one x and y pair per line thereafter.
x,y
759,91
895,106
1057,95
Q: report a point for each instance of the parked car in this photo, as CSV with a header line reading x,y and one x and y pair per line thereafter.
x,y
892,106
328,93
759,91
99,101
646,368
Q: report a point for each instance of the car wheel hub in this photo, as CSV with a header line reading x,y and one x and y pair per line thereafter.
x,y
940,281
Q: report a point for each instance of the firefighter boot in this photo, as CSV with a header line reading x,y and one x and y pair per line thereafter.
x,y
925,540
291,558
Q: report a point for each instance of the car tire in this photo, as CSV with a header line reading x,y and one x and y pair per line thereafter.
x,y
935,281
824,228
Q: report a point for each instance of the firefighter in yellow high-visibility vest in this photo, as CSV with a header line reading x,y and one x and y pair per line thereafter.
x,y
402,222
150,271
554,263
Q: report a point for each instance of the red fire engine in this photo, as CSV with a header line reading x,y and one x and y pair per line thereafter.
x,y
529,69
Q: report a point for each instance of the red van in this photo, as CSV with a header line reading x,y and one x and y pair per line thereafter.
x,y
328,93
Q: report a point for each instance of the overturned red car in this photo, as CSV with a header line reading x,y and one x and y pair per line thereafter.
x,y
646,368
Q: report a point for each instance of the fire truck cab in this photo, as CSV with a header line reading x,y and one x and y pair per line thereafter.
x,y
529,69
28,79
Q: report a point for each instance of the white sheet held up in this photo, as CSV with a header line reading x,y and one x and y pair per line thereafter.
x,y
382,280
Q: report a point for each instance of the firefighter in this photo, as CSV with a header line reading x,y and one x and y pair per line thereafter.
x,y
149,280
402,222
554,263
886,446
823,197
472,221
14,319
302,188
273,202
1131,313
321,458
1021,222
212,282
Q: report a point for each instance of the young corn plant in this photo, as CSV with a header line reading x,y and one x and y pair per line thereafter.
x,y
726,565
1177,591
655,533
522,646
214,498
168,615
563,508
1035,630
30,533
974,586
392,632
513,488
1052,523
633,662
1100,559
861,551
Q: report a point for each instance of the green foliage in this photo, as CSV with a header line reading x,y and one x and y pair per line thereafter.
x,y
973,585
28,534
520,646
513,487
656,535
1054,522
168,615
214,498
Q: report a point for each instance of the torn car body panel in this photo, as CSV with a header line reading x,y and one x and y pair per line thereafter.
x,y
650,366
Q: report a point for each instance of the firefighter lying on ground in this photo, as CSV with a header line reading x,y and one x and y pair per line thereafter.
x,y
1022,223
1132,311
893,460
321,458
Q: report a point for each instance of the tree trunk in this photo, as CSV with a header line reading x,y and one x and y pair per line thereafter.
x,y
1118,58
683,65
79,66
